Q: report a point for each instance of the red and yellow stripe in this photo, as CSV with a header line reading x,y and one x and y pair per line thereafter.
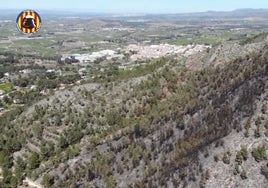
x,y
37,21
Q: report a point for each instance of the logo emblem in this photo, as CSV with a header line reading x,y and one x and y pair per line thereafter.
x,y
28,21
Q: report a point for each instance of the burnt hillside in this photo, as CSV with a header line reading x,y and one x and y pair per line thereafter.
x,y
145,130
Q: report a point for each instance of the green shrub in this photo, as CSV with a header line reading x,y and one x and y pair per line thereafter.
x,y
264,170
113,118
226,158
259,153
237,169
257,132
244,153
47,180
34,161
239,158
258,121
244,174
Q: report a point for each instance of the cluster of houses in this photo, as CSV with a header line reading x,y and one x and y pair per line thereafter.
x,y
141,52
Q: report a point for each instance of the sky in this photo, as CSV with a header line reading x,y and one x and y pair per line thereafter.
x,y
134,6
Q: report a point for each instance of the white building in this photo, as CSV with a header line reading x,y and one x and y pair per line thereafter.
x,y
107,54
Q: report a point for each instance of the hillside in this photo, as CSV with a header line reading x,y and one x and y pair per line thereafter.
x,y
165,124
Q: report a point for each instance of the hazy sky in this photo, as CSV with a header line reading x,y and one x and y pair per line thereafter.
x,y
139,6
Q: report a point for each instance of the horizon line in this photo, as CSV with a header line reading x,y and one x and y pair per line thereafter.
x,y
125,12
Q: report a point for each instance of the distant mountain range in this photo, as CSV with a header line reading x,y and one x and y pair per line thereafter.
x,y
238,13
